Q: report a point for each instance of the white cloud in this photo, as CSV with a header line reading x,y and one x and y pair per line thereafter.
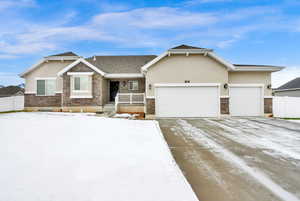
x,y
285,75
162,17
7,56
143,27
194,2
4,4
10,79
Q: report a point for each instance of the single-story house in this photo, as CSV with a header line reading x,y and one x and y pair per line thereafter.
x,y
291,88
11,91
184,81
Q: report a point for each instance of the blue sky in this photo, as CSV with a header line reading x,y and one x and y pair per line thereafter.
x,y
240,31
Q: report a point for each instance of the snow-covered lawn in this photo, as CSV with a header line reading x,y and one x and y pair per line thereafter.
x,y
76,157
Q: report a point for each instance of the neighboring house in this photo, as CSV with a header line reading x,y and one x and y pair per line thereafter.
x,y
11,91
291,88
184,81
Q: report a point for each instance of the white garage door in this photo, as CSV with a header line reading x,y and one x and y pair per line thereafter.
x,y
245,101
191,100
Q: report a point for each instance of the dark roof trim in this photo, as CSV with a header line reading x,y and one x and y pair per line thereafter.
x,y
187,47
63,54
252,65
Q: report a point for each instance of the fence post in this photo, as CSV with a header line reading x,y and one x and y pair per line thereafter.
x,y
116,102
130,98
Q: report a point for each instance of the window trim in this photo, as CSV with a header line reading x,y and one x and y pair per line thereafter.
x,y
132,81
73,83
45,78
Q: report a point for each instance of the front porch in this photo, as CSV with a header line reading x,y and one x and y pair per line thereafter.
x,y
126,95
130,103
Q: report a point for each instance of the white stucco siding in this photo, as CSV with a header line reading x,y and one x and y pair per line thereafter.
x,y
45,70
251,78
179,68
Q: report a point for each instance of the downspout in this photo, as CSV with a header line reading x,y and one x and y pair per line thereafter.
x,y
62,97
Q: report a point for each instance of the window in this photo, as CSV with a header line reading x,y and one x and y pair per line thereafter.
x,y
45,87
133,85
81,83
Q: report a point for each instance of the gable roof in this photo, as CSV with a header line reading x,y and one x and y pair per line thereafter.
x,y
186,49
57,57
120,64
10,90
293,84
183,46
81,60
64,54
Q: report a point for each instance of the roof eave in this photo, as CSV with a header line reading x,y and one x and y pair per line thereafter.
x,y
81,60
58,58
257,68
187,52
34,66
291,89
124,75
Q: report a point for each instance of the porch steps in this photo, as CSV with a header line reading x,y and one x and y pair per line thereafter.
x,y
109,108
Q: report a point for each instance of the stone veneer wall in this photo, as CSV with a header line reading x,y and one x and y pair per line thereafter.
x,y
97,81
31,100
268,105
224,105
150,106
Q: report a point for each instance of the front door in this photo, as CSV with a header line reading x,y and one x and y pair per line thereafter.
x,y
113,90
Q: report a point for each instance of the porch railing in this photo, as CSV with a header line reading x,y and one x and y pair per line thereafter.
x,y
130,98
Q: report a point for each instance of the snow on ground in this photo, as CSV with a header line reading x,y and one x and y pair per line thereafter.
x,y
77,157
125,115
274,143
210,142
295,121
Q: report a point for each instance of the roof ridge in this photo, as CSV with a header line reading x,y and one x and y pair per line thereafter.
x,y
123,55
292,84
69,53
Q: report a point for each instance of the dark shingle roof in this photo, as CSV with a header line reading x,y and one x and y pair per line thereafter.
x,y
120,64
295,83
188,47
10,90
251,65
64,54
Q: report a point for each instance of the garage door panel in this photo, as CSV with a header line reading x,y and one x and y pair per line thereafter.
x,y
187,101
245,101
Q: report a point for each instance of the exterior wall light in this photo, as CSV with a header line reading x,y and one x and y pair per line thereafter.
x,y
269,86
225,86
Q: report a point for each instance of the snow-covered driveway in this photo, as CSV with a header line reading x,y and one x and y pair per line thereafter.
x,y
236,159
74,157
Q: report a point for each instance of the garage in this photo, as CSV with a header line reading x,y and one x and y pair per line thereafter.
x,y
187,100
246,100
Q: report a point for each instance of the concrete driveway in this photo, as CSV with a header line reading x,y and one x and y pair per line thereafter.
x,y
234,159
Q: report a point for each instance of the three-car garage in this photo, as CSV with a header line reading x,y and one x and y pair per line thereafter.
x,y
203,100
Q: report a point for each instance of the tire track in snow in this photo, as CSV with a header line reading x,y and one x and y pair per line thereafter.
x,y
256,141
201,137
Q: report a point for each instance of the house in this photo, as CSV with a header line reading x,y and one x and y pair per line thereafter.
x,y
184,81
291,88
11,91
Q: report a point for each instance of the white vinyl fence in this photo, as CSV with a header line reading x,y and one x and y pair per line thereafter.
x,y
13,103
286,107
